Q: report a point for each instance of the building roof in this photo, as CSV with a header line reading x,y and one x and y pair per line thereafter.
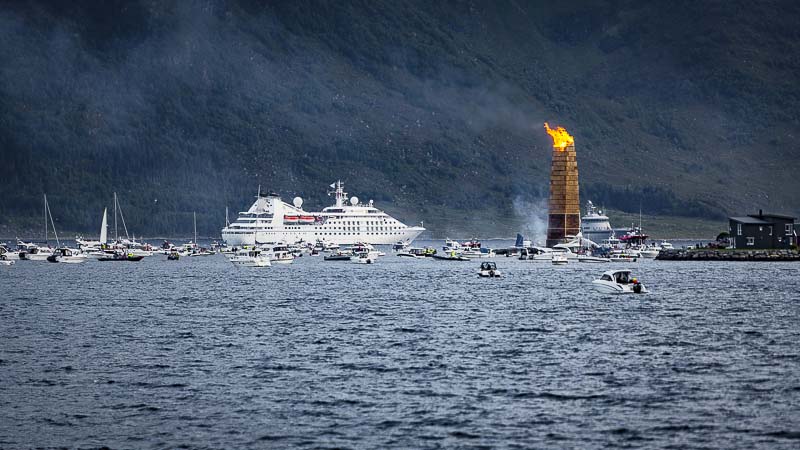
x,y
750,220
768,216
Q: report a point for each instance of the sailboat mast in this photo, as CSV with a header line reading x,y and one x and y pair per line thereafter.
x,y
45,219
116,231
55,233
194,215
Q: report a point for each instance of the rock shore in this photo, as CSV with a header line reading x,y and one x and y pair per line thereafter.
x,y
728,255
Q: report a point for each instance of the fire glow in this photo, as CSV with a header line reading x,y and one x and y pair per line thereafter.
x,y
561,139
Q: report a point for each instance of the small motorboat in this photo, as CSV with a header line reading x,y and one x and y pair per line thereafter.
x,y
413,252
4,261
67,255
489,270
34,253
478,252
618,282
400,245
121,256
338,256
535,254
559,259
452,255
622,257
173,256
364,258
650,252
592,259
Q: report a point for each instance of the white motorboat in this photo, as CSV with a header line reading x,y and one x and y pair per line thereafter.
x,y
280,254
536,254
666,245
618,282
413,252
363,258
363,247
649,252
68,256
401,245
478,252
489,270
8,254
252,257
566,250
33,252
4,259
559,259
592,259
451,244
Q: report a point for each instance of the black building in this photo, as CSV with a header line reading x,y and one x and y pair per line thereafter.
x,y
762,231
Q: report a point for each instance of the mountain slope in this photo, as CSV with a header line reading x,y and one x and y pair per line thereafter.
x,y
432,110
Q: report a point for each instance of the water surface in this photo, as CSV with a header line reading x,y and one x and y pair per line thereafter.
x,y
403,353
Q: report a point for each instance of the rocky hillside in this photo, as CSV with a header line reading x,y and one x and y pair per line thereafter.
x,y
432,109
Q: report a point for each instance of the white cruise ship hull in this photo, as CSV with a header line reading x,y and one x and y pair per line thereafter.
x,y
332,236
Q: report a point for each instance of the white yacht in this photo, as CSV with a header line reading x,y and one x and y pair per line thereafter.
x,y
595,225
270,219
618,282
250,258
280,254
67,255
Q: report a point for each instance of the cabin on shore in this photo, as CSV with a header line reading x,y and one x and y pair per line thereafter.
x,y
762,231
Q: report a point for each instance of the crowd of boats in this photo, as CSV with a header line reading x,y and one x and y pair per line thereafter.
x,y
265,255
260,238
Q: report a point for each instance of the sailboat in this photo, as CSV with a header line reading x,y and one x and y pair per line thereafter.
x,y
97,249
130,246
62,254
34,252
197,250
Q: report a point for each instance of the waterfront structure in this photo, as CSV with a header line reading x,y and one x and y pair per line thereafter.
x,y
762,231
564,215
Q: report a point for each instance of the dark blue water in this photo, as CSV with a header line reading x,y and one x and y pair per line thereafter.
x,y
403,353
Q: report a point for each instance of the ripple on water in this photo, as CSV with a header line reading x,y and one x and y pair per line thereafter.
x,y
401,354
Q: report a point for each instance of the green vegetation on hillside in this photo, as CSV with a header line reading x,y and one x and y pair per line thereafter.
x,y
432,109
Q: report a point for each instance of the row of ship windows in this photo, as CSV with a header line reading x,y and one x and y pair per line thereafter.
x,y
320,233
328,234
352,234
348,222
316,228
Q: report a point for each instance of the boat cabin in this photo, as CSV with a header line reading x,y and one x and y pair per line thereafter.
x,y
618,276
488,266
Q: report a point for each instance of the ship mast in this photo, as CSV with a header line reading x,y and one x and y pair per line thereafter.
x,y
340,193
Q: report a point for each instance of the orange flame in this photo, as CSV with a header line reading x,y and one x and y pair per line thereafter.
x,y
561,139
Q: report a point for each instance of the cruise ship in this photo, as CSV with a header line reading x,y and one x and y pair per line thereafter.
x,y
595,225
348,221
